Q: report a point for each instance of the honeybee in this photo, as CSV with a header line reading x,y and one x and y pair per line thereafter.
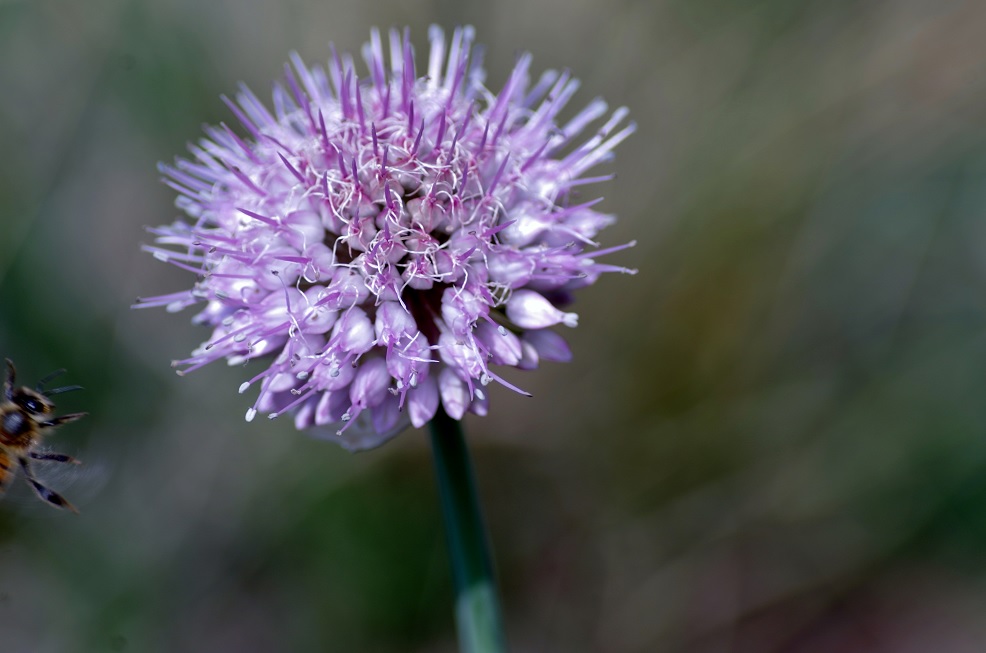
x,y
25,418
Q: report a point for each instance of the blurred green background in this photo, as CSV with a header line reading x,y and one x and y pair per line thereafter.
x,y
773,439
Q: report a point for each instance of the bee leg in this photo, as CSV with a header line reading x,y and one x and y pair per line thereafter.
x,y
8,386
64,419
55,457
44,493
47,379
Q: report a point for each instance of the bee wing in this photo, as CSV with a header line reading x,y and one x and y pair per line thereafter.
x,y
77,483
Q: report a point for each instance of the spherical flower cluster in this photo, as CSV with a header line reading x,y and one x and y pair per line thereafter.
x,y
389,239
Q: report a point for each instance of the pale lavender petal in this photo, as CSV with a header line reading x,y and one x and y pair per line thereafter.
x,y
503,346
387,415
528,356
422,401
455,393
511,268
354,332
530,310
331,407
369,386
549,345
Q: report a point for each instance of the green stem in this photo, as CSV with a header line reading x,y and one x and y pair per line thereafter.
x,y
477,607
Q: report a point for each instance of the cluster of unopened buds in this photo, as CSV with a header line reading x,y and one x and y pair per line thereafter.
x,y
389,240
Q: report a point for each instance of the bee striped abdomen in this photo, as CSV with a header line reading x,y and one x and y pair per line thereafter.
x,y
6,470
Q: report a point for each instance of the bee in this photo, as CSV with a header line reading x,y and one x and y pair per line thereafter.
x,y
25,418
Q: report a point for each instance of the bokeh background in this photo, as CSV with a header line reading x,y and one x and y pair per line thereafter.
x,y
772,439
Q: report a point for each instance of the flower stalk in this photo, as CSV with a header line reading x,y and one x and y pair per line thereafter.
x,y
477,607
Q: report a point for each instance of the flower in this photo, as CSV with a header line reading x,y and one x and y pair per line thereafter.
x,y
389,239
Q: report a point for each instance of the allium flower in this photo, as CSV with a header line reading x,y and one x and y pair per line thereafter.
x,y
389,239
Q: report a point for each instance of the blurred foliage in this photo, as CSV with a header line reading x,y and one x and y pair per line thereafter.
x,y
773,438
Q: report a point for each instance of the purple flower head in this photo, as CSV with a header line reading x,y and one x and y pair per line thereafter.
x,y
389,240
